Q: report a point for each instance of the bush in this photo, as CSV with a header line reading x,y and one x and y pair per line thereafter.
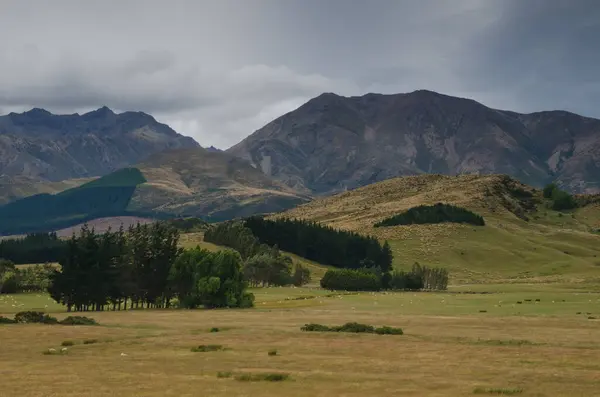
x,y
385,330
437,213
67,343
214,329
247,300
316,328
354,328
207,348
78,320
224,375
272,352
4,320
90,341
267,377
350,280
32,317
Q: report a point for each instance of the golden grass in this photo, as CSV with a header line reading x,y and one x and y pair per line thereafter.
x,y
549,247
551,352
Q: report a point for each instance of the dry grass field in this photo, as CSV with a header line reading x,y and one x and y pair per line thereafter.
x,y
449,348
521,317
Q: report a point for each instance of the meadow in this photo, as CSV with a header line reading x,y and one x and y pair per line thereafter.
x,y
470,340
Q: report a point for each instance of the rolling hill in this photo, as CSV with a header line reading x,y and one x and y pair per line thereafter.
x,y
522,240
333,143
184,182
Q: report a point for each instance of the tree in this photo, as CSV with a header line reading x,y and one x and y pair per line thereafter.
x,y
301,275
7,269
549,190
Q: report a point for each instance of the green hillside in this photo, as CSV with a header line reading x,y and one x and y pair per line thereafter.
x,y
103,197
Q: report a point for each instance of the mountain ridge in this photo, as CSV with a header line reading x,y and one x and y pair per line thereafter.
x,y
48,147
333,143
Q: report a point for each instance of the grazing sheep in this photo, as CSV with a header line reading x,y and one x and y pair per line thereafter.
x,y
63,350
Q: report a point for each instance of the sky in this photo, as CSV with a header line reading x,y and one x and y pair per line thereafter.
x,y
218,70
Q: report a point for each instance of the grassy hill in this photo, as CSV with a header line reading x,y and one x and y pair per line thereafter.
x,y
213,185
522,241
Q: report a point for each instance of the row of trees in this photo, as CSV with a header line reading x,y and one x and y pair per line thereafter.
x,y
370,279
322,244
34,248
116,268
437,213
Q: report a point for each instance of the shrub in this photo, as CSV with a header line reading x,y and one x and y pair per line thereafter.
x,y
437,213
267,377
350,280
78,320
316,328
214,329
90,341
272,352
355,328
505,392
224,375
4,320
32,317
385,330
67,343
207,348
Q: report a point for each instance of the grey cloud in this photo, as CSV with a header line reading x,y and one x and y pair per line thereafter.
x,y
219,70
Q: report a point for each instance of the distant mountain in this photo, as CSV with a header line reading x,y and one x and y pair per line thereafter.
x,y
333,143
42,146
184,182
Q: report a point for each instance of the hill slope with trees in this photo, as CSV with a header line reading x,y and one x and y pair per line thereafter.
x,y
524,238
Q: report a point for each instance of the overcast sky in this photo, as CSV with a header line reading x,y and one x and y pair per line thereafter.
x,y
218,70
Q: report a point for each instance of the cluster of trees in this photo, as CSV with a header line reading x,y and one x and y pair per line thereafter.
x,y
437,213
210,279
351,280
561,200
143,267
371,279
420,277
116,268
263,265
34,248
35,278
322,244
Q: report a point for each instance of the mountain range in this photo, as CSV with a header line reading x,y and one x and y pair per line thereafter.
x,y
333,143
328,145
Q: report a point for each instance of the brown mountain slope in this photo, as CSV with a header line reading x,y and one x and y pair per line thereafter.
x,y
200,182
548,246
333,143
47,147
12,188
